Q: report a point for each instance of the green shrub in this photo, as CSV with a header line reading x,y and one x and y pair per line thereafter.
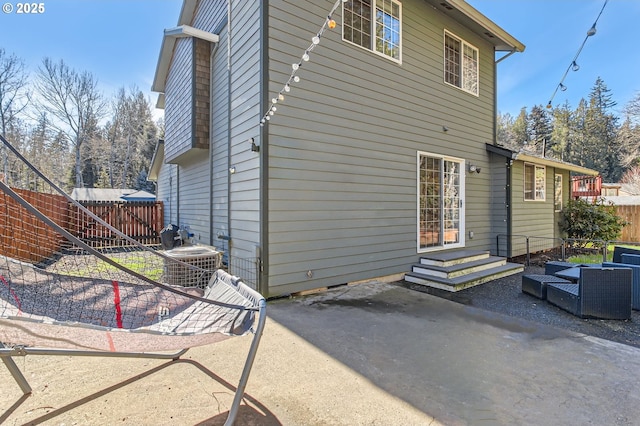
x,y
592,221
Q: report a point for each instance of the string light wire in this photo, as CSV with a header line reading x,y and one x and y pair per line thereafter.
x,y
295,67
573,64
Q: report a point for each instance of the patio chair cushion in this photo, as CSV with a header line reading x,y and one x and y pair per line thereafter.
x,y
630,259
536,285
554,266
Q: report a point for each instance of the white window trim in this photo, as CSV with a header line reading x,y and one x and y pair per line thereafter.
x,y
373,20
524,182
462,229
463,43
555,185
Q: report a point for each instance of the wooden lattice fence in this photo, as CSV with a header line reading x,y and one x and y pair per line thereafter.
x,y
26,238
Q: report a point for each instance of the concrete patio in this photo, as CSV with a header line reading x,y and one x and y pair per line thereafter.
x,y
367,354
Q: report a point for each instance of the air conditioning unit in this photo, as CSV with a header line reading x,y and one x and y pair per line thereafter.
x,y
202,261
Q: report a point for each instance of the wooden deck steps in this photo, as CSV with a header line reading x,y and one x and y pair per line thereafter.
x,y
460,269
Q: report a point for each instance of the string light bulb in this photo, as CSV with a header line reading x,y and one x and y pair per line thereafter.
x,y
574,65
315,40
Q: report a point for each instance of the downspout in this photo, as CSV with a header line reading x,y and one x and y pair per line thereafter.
x,y
177,195
263,270
229,163
509,208
211,96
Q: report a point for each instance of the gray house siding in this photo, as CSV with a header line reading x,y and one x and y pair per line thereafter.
x,y
244,110
220,144
167,192
532,218
499,216
342,164
194,214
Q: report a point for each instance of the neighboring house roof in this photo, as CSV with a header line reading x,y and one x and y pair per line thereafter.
x,y
139,196
543,161
156,161
109,194
621,200
459,10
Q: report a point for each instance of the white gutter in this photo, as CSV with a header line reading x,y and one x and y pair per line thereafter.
x,y
511,43
555,163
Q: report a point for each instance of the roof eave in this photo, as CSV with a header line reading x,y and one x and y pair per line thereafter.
x,y
512,155
493,33
558,164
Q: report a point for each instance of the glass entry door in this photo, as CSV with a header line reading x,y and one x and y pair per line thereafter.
x,y
440,202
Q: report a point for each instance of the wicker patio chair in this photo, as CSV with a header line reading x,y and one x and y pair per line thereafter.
x,y
619,251
635,271
603,293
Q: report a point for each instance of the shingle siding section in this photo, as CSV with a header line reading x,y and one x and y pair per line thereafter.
x,y
178,101
201,93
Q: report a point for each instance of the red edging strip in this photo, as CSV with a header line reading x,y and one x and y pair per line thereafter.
x,y
13,293
116,301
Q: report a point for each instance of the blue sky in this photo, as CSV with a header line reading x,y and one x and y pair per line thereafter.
x,y
552,31
119,42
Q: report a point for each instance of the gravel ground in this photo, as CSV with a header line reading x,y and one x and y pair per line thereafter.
x,y
505,296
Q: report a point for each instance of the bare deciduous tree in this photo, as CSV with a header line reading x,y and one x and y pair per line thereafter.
x,y
14,95
131,135
74,101
632,178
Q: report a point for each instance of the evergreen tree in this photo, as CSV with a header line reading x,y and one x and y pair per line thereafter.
x,y
520,131
562,134
540,130
601,144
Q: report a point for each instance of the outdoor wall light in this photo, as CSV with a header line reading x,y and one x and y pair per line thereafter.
x,y
254,147
474,168
445,129
232,169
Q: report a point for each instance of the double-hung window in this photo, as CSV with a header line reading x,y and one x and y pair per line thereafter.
x,y
460,64
374,25
534,182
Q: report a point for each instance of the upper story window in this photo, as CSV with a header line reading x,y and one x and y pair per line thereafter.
x,y
374,25
460,64
534,182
